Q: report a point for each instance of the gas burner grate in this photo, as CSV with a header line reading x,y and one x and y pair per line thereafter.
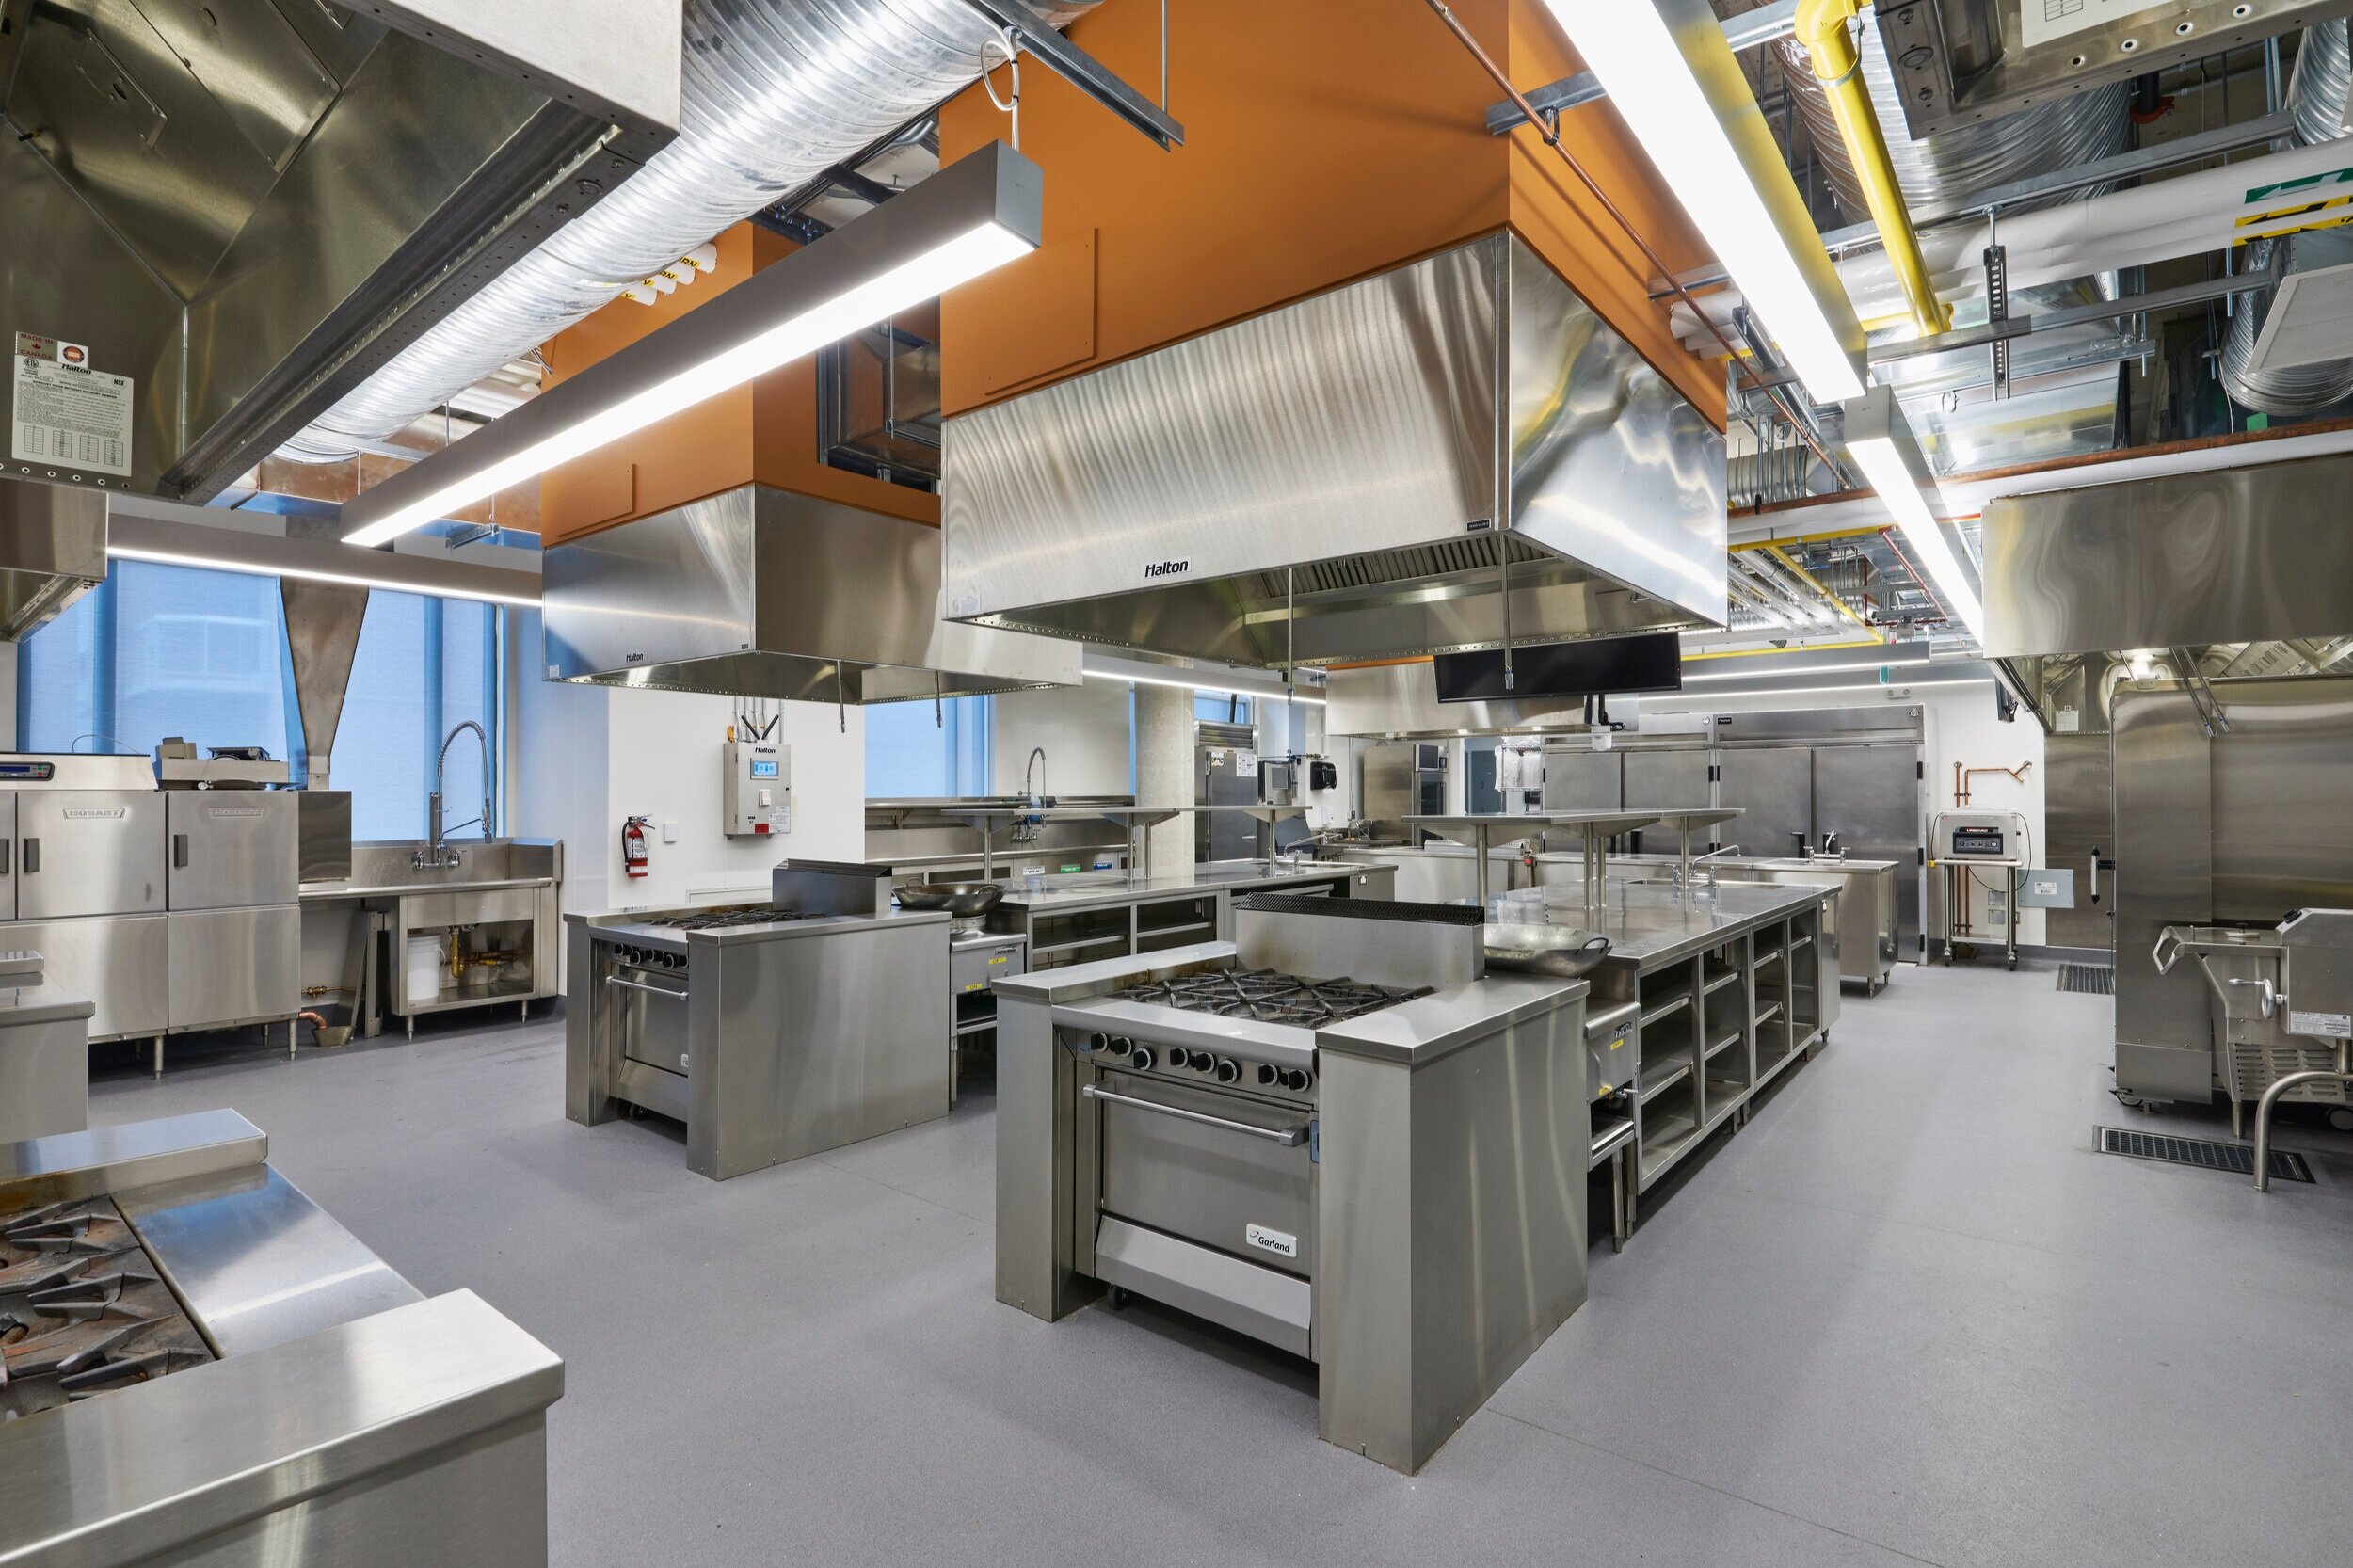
x,y
2091,980
2205,1152
722,920
82,1309
1267,995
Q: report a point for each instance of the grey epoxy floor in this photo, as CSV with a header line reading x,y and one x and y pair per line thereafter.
x,y
1905,1316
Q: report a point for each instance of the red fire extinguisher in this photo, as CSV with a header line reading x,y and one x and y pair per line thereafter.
x,y
634,844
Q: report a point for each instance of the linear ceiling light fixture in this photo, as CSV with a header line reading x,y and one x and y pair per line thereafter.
x,y
1268,696
1674,79
252,568
1880,439
978,213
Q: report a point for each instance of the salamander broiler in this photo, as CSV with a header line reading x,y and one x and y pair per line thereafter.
x,y
1335,1134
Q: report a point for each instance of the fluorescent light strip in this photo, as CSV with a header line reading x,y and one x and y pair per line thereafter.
x,y
933,272
1825,669
1811,691
1891,477
252,569
1627,47
1208,691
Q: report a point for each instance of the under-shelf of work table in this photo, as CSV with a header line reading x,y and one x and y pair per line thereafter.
x,y
1730,985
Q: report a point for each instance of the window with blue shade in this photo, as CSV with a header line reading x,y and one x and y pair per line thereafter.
x,y
163,651
1220,707
915,750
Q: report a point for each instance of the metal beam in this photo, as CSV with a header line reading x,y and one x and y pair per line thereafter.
x,y
1082,70
2105,310
1745,31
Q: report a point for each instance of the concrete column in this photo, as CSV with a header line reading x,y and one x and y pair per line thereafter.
x,y
1164,769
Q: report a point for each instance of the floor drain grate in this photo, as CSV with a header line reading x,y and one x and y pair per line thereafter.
x,y
2206,1153
2092,979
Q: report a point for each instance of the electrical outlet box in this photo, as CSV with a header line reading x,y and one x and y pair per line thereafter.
x,y
757,798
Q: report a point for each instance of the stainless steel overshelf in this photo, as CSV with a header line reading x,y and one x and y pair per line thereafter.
x,y
761,592
1463,423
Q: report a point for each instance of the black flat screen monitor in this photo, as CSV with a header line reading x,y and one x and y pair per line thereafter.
x,y
1599,666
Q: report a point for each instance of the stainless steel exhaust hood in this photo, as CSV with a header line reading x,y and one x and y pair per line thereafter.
x,y
2233,556
762,592
1353,477
53,550
230,213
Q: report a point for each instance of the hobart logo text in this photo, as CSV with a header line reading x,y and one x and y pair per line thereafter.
x,y
1166,568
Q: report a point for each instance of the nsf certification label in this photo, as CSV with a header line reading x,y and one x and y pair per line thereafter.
x,y
2326,1026
66,415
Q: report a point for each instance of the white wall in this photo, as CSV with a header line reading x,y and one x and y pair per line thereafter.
x,y
1083,729
589,755
1962,726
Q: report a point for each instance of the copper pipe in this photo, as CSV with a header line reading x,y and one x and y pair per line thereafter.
x,y
1919,577
1547,127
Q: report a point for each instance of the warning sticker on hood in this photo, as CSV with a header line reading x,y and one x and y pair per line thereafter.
x,y
67,416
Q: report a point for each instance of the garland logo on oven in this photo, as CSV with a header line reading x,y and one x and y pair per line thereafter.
x,y
1281,1243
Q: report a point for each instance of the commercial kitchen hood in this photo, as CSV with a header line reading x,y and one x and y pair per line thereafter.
x,y
2231,555
223,216
53,550
764,592
1353,476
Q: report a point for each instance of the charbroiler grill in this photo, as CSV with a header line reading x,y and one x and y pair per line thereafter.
x,y
1336,1134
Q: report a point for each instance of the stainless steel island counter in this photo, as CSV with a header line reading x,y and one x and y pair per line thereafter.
x,y
1711,994
772,1032
1366,1170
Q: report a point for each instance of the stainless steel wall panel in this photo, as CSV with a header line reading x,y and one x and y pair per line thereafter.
x,y
232,847
2078,828
2164,876
2229,555
234,966
1437,418
88,852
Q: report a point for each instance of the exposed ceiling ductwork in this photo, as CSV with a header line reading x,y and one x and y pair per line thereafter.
x,y
1941,172
775,93
2268,370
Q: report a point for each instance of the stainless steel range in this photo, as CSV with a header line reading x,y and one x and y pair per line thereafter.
x,y
772,1031
198,1365
1336,1134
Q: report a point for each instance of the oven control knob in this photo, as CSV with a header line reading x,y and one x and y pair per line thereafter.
x,y
1267,1075
1295,1079
1228,1070
1203,1062
1179,1057
1120,1045
1144,1059
1098,1041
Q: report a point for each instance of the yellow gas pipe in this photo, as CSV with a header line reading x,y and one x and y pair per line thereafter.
x,y
1821,27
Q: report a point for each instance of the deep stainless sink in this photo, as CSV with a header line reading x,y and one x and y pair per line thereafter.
x,y
391,863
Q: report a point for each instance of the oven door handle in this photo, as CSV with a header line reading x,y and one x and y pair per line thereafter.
x,y
640,986
1289,1137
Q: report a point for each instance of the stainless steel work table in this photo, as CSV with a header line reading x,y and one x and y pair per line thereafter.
x,y
1731,985
1111,915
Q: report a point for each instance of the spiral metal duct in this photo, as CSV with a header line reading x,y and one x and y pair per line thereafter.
x,y
1938,172
774,92
2317,98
